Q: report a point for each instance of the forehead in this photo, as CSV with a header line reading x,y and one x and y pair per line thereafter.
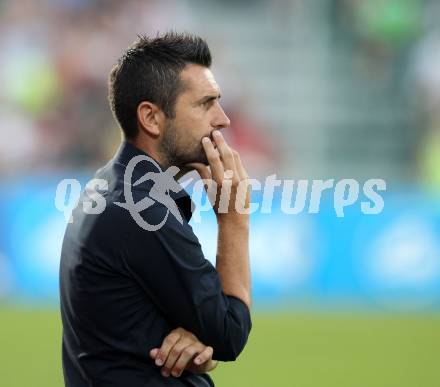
x,y
199,80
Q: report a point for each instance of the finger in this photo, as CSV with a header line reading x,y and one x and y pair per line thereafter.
x,y
174,354
204,356
154,352
186,357
205,175
224,150
214,160
239,165
166,347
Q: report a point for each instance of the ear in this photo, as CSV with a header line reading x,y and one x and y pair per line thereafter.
x,y
149,118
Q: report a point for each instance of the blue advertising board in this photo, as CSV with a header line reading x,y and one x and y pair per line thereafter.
x,y
390,260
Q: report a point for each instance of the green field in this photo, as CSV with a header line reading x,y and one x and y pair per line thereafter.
x,y
296,349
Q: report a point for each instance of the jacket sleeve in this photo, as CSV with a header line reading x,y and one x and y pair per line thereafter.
x,y
170,266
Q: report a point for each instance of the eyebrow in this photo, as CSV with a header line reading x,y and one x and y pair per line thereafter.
x,y
207,98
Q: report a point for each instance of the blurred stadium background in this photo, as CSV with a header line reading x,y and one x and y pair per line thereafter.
x,y
314,89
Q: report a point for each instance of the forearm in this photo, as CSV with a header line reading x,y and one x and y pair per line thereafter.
x,y
233,258
231,332
233,234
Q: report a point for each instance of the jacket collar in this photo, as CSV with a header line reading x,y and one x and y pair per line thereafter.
x,y
128,151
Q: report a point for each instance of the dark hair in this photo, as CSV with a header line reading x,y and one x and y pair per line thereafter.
x,y
150,71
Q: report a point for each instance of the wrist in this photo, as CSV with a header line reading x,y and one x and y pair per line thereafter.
x,y
234,220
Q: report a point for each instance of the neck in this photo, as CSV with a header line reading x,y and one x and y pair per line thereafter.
x,y
150,149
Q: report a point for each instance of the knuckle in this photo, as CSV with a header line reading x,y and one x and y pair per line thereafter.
x,y
175,352
168,340
189,335
161,354
212,154
186,343
228,174
228,155
188,351
184,335
193,336
180,331
167,343
172,336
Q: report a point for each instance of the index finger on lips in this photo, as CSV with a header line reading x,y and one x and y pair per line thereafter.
x,y
214,160
224,150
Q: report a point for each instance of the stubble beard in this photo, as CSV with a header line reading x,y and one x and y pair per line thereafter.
x,y
178,152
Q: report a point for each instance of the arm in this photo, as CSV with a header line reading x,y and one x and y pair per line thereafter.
x,y
212,304
233,227
169,265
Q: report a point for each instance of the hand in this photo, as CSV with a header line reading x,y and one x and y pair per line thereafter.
x,y
221,160
180,351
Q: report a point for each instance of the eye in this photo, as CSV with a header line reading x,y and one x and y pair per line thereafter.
x,y
208,102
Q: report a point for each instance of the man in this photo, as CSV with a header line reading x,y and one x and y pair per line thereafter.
x,y
140,307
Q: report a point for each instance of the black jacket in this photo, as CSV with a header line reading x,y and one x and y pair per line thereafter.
x,y
123,288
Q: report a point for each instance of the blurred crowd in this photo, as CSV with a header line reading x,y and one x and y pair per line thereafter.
x,y
55,57
398,42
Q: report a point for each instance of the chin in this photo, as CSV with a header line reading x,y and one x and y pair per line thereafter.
x,y
200,157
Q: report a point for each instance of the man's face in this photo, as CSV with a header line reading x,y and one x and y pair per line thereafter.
x,y
197,114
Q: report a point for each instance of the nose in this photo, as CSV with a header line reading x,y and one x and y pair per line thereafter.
x,y
220,119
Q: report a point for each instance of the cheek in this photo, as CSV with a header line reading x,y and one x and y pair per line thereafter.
x,y
196,124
